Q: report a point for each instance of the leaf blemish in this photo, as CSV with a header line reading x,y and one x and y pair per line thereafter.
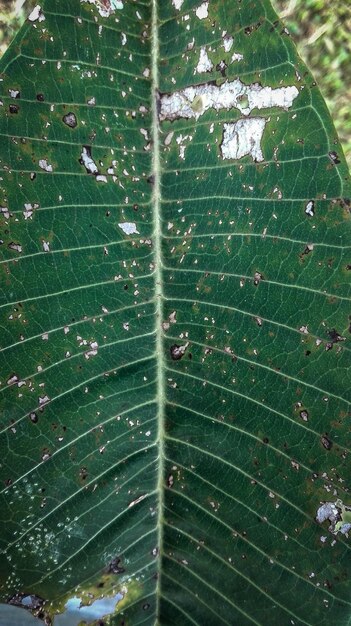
x,y
228,95
338,514
36,14
70,120
309,208
243,139
177,352
106,7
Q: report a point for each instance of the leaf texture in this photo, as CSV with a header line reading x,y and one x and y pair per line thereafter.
x,y
175,319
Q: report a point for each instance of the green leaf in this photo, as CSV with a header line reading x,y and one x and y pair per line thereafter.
x,y
175,320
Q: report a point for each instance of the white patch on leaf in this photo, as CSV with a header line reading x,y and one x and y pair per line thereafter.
x,y
44,165
177,4
36,14
309,208
202,11
88,162
180,141
228,43
194,101
204,64
237,57
106,8
243,138
129,228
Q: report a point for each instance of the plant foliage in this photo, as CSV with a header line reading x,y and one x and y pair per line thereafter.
x,y
175,320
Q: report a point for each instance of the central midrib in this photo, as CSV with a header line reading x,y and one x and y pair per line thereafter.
x,y
157,235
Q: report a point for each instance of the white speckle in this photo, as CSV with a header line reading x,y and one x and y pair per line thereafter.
x,y
180,141
237,57
44,165
14,93
28,212
88,162
101,178
123,39
5,212
106,11
129,228
204,64
202,11
36,14
146,72
93,351
134,502
177,4
243,138
15,246
228,43
192,102
168,138
46,246
309,208
171,320
91,102
12,380
126,325
43,400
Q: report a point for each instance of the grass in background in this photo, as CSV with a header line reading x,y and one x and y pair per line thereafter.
x,y
320,28
322,32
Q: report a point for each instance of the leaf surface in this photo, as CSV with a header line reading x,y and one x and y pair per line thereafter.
x,y
175,320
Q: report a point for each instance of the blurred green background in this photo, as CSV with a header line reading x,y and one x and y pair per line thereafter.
x,y
321,29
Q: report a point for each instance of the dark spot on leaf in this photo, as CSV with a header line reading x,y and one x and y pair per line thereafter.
x,y
13,108
151,179
334,157
114,566
250,29
40,97
70,120
8,482
146,606
345,203
221,67
326,442
335,336
265,440
26,601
